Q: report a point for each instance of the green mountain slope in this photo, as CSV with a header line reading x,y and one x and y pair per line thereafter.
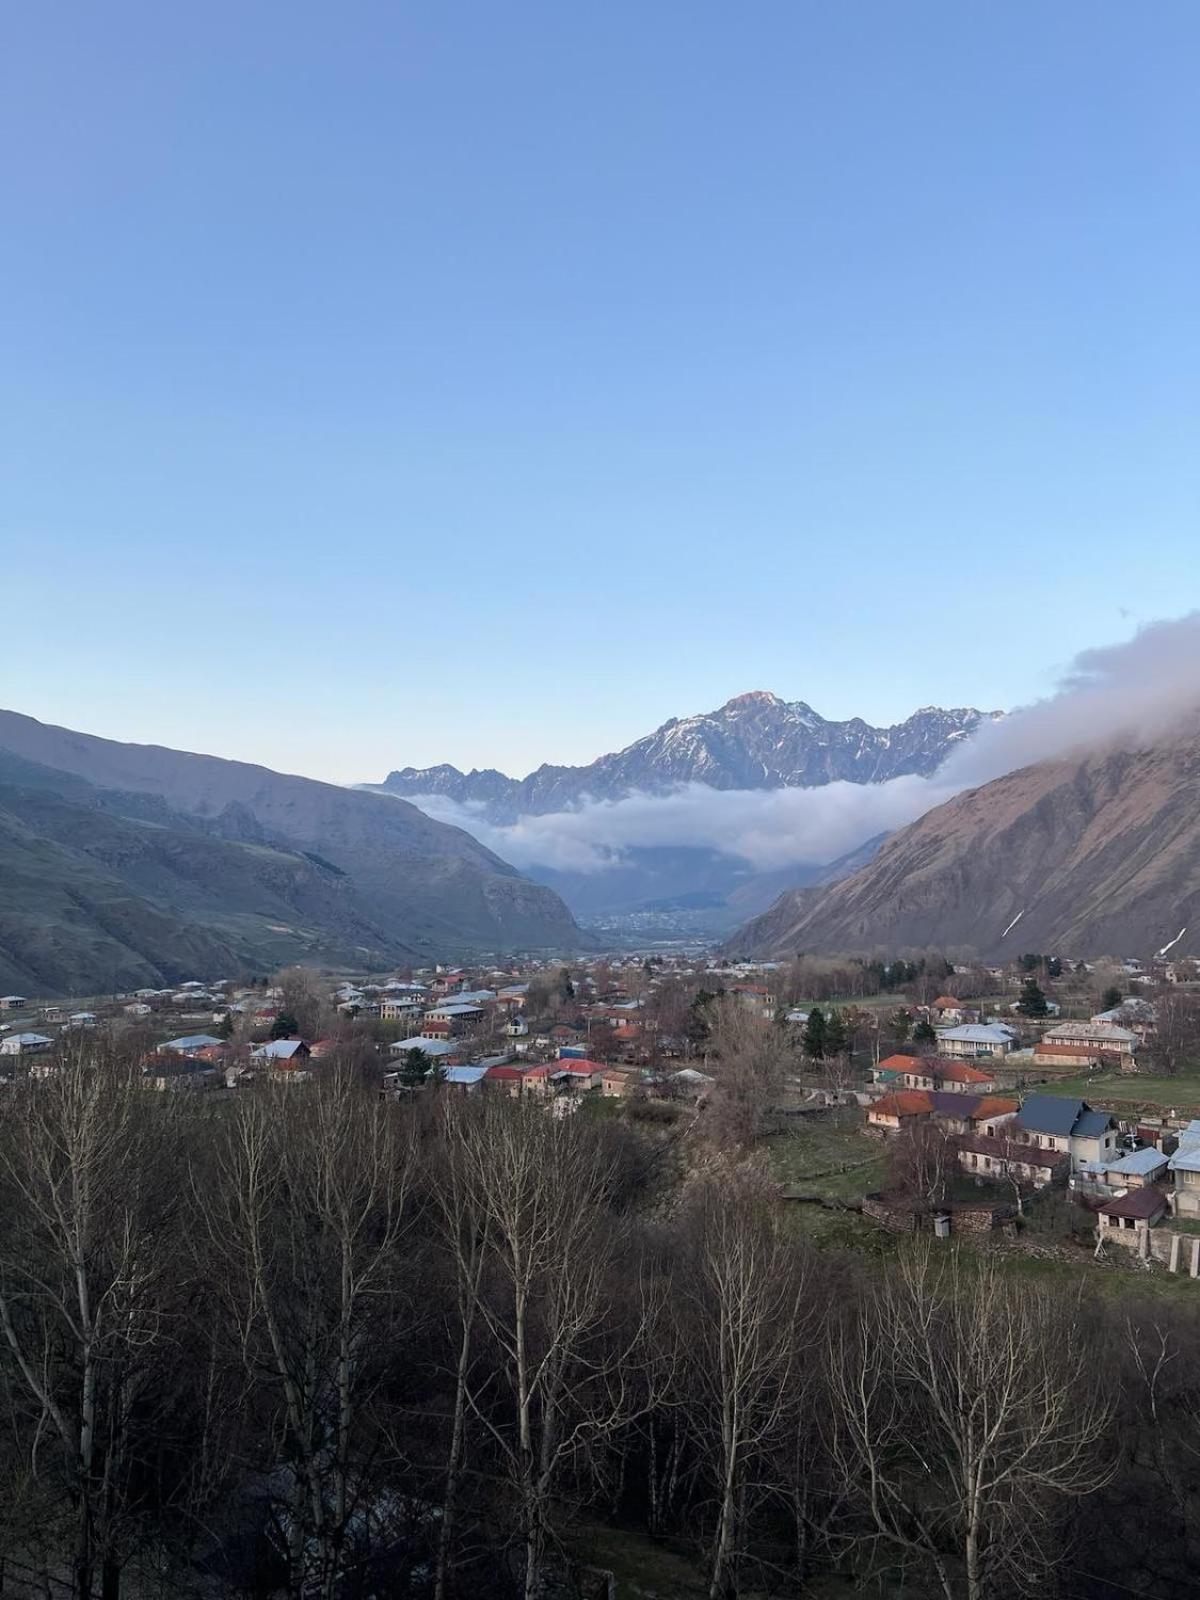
x,y
124,865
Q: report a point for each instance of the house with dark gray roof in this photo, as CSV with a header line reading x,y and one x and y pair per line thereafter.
x,y
1054,1122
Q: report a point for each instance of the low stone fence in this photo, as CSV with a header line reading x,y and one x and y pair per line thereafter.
x,y
966,1216
889,1214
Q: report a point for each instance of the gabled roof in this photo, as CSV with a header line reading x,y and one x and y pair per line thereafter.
x,y
904,1103
961,1072
948,1103
279,1050
978,1033
1139,1163
1049,1113
1187,1157
1089,1033
465,1075
431,1047
1092,1124
1141,1204
992,1105
1028,1155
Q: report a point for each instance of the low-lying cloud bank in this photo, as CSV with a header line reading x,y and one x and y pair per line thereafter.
x,y
1137,689
766,827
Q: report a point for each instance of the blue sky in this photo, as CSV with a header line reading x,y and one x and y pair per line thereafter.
x,y
389,383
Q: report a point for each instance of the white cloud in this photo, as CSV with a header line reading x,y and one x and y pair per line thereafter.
x,y
1114,694
1137,689
766,827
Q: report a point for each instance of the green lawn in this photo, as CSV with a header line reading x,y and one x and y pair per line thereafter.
x,y
1132,1091
827,1156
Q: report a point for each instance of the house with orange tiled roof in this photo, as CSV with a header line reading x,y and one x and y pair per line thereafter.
x,y
890,1073
937,1074
898,1110
620,1081
992,1113
953,1113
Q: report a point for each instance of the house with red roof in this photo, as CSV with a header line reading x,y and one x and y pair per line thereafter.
x,y
937,1074
1128,1219
576,1075
507,1079
900,1109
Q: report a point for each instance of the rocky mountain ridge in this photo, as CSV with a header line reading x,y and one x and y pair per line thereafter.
x,y
754,741
1096,853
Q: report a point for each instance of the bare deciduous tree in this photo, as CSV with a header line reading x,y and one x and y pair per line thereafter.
x,y
747,1060
85,1242
304,1214
745,1285
1176,1028
964,1407
921,1163
563,1371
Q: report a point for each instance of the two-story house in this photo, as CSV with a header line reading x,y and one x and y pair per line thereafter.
x,y
975,1039
1053,1122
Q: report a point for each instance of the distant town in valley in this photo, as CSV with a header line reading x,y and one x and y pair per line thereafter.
x,y
1007,1088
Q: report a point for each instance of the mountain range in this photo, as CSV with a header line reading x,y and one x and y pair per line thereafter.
x,y
754,741
124,865
1096,853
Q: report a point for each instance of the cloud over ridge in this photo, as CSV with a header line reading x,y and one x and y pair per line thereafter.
x,y
1137,689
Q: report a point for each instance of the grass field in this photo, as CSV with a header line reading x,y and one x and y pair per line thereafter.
x,y
1133,1091
827,1156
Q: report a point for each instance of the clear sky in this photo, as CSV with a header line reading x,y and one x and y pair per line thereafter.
x,y
401,382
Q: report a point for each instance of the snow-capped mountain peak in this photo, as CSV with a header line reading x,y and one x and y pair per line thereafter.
x,y
754,741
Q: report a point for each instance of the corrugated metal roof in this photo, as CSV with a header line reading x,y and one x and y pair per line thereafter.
x,y
467,1075
1138,1163
431,1047
978,1033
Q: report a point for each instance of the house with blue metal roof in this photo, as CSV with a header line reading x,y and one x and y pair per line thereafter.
x,y
974,1039
1053,1122
189,1044
465,1079
1137,1168
1184,1167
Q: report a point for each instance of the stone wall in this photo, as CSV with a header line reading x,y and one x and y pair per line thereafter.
x,y
965,1217
894,1217
982,1219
